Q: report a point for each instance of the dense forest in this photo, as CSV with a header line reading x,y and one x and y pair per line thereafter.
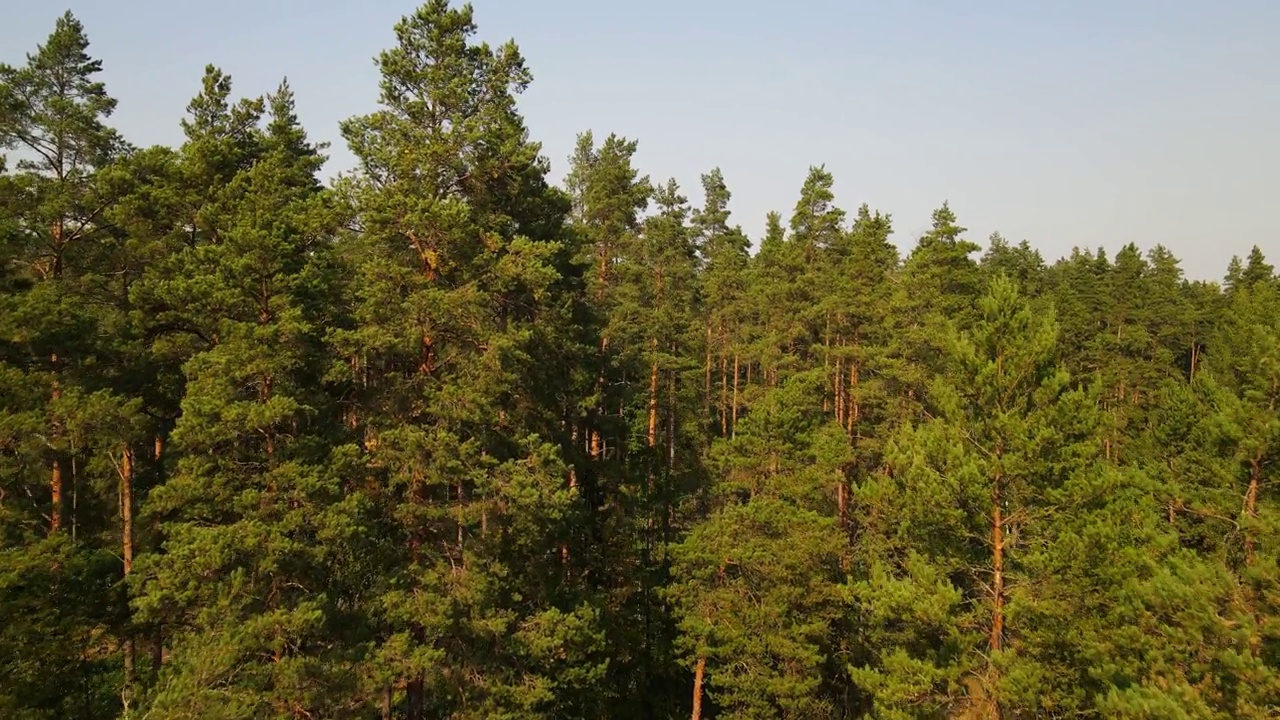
x,y
443,439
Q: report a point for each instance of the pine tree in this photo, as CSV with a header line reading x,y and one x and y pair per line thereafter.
x,y
461,277
256,528
61,419
947,525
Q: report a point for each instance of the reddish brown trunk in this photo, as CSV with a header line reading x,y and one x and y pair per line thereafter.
x,y
461,518
706,394
126,542
126,508
55,485
671,422
853,413
55,472
997,583
386,702
826,369
1251,507
699,671
653,399
59,243
733,427
839,391
724,395
428,364
159,447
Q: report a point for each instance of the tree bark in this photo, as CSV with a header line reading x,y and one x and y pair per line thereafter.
x,y
724,395
653,397
126,508
56,490
698,673
839,392
842,503
671,422
706,394
126,542
853,412
733,428
414,695
1251,508
997,583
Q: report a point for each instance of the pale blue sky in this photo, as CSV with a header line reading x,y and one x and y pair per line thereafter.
x,y
1064,123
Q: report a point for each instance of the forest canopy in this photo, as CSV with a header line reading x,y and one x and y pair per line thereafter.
x,y
444,439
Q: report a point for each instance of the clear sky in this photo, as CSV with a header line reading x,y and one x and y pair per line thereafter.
x,y
1086,123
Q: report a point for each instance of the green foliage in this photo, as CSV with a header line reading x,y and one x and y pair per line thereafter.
x,y
438,439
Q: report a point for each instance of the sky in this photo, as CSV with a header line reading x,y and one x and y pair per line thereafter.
x,y
1067,124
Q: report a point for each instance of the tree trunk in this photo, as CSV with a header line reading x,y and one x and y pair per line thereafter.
x,y
733,428
126,508
671,422
126,543
414,695
55,484
1251,508
997,583
157,651
839,391
706,394
55,473
826,366
852,414
698,672
653,397
724,395
842,504
386,702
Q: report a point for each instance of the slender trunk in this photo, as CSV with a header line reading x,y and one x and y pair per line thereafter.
x,y
997,583
461,518
157,651
842,503
159,447
733,428
839,391
671,422
706,393
413,693
699,671
386,702
1251,508
126,508
852,415
653,396
826,366
264,398
126,543
55,474
55,483
724,395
